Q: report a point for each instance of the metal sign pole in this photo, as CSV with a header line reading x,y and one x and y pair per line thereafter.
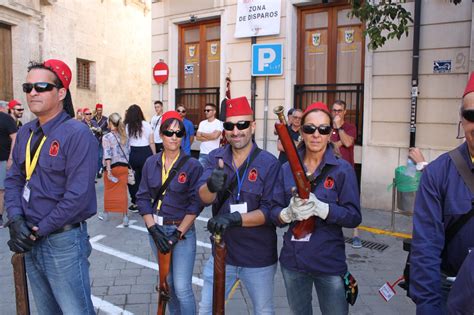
x,y
265,113
161,93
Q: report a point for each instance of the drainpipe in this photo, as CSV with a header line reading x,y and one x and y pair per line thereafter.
x,y
253,84
414,71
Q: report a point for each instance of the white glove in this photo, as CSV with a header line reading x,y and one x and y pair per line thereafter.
x,y
287,215
297,210
304,209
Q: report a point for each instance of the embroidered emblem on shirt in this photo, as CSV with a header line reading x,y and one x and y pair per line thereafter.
x,y
329,183
253,174
182,178
54,148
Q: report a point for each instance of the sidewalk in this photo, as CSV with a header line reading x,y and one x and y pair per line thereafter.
x,y
124,273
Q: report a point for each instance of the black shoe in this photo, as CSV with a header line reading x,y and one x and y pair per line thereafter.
x,y
99,175
133,208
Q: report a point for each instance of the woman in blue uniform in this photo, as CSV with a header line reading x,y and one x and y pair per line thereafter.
x,y
170,217
319,258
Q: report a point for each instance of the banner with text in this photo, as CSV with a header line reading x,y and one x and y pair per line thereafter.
x,y
257,18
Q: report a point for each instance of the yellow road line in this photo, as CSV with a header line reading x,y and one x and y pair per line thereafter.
x,y
383,232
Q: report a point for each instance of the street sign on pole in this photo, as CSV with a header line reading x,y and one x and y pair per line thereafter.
x,y
267,59
160,72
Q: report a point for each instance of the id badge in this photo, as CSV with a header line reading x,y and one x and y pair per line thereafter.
x,y
303,239
26,193
158,219
239,207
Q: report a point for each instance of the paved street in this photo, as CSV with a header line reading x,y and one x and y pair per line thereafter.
x,y
124,273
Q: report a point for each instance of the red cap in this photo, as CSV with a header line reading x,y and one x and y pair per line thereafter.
x,y
317,105
85,109
169,115
13,103
99,106
470,85
238,107
79,110
61,70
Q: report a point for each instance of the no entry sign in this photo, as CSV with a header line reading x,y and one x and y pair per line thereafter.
x,y
160,72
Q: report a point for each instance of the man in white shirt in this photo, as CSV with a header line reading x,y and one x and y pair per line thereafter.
x,y
209,132
156,123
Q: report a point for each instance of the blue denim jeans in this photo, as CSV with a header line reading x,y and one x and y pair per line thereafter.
x,y
203,159
58,273
182,299
299,291
257,281
101,156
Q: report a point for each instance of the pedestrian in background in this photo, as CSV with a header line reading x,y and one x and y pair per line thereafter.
x,y
15,109
79,115
318,259
116,157
343,137
170,219
443,204
294,124
142,146
50,192
155,124
8,132
242,216
209,133
102,123
188,125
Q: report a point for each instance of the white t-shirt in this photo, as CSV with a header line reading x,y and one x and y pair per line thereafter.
x,y
143,141
155,125
208,127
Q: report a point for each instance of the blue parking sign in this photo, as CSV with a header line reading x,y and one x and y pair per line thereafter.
x,y
267,59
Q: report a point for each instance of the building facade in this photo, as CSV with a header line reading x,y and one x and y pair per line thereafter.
x,y
325,57
106,43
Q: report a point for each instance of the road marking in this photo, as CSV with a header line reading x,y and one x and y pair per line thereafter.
x,y
383,232
107,307
143,229
131,258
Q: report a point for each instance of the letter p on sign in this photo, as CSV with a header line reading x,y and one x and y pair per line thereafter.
x,y
267,59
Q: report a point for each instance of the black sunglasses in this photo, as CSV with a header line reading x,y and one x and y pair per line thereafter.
x,y
322,129
88,114
241,125
170,133
208,110
19,109
39,87
468,114
181,111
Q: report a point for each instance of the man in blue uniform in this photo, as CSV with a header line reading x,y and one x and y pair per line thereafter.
x,y
50,193
103,123
188,125
441,199
460,299
244,216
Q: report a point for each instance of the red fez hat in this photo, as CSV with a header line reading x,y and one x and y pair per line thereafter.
x,y
61,70
79,110
98,106
470,85
13,103
238,107
86,109
169,115
317,105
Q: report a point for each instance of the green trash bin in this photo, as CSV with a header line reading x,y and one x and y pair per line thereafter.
x,y
406,186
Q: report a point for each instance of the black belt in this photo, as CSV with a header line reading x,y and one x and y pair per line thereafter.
x,y
68,227
172,222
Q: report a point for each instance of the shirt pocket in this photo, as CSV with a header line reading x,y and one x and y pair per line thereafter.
x,y
56,164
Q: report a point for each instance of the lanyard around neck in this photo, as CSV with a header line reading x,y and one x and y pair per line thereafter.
x,y
29,164
240,181
165,173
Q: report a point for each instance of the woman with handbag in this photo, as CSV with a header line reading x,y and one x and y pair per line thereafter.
x,y
318,258
116,154
168,201
142,146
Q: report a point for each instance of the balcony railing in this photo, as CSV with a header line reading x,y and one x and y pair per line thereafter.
x,y
195,99
351,93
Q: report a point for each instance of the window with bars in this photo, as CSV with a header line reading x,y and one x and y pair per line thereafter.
x,y
84,74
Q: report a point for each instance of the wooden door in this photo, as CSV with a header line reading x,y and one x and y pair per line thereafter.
x,y
6,69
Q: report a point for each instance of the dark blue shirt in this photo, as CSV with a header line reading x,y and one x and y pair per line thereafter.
x,y
441,199
461,297
324,253
248,246
62,185
186,144
181,196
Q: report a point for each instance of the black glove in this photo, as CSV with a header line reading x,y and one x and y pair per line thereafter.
x,y
161,241
175,237
20,232
216,181
221,222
